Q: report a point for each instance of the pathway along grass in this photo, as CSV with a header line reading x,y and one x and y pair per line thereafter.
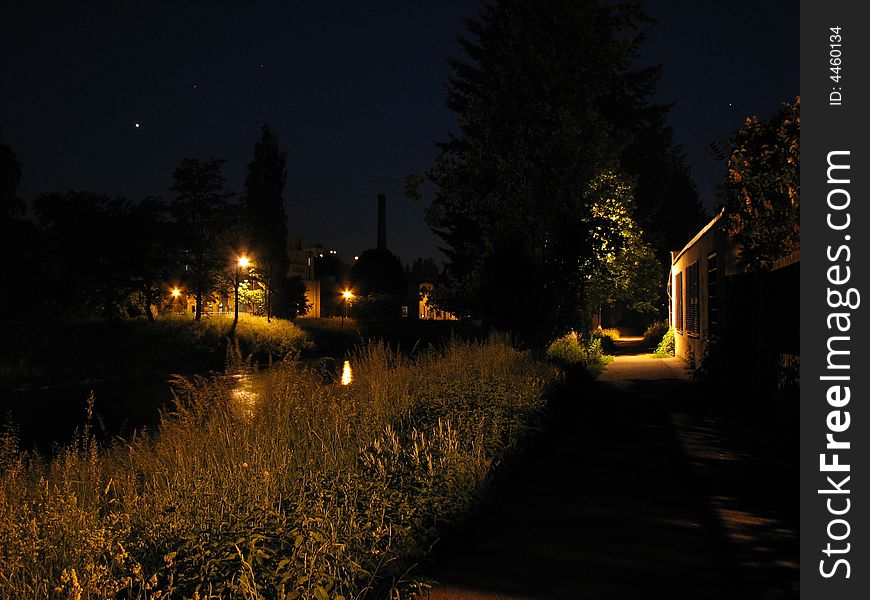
x,y
311,491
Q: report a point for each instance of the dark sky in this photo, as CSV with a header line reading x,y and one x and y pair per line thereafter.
x,y
355,91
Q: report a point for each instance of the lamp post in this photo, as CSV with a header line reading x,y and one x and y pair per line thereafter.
x,y
347,295
176,294
243,263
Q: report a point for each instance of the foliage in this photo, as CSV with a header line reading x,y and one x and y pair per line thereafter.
x,y
571,353
10,178
375,306
652,335
310,492
623,266
606,338
666,345
252,297
423,270
203,217
92,261
378,271
547,100
267,220
762,188
19,243
297,304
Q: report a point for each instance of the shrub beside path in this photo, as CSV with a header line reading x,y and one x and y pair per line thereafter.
x,y
634,492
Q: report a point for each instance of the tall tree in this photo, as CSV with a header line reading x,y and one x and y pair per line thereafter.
x,y
202,215
762,187
92,248
154,250
10,178
19,242
537,124
267,219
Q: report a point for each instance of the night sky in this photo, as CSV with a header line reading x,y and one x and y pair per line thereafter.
x,y
355,94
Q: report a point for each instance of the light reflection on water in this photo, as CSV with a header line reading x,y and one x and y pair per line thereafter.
x,y
245,391
248,389
346,373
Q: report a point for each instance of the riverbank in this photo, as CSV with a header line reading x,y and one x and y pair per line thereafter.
x,y
308,490
36,355
63,353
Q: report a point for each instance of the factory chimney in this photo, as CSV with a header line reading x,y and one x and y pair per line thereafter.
x,y
382,221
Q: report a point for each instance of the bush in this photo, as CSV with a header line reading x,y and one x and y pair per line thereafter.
x,y
666,345
606,338
653,334
572,354
610,332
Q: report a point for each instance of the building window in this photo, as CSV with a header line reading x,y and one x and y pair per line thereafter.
x,y
693,320
679,303
712,295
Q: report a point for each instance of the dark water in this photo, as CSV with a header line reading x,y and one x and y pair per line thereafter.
x,y
46,418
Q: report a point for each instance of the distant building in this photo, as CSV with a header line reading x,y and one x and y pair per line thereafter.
x,y
425,311
324,273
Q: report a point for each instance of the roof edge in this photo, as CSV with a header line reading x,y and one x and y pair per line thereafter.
x,y
698,236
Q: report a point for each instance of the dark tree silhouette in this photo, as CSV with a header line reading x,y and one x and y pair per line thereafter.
x,y
547,101
378,271
378,280
19,244
155,246
762,187
10,178
267,219
423,269
91,252
202,215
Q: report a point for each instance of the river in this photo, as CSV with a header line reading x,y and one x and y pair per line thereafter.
x,y
48,417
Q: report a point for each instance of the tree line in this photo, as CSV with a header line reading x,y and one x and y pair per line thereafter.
x,y
84,254
563,188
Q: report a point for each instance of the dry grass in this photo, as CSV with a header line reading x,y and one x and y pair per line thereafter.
x,y
310,491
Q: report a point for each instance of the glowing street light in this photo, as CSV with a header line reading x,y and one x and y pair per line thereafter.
x,y
243,263
348,296
175,292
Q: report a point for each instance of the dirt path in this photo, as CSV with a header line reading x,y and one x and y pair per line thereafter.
x,y
631,494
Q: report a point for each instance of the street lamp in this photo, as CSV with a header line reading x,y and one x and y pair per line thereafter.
x,y
347,295
242,263
176,294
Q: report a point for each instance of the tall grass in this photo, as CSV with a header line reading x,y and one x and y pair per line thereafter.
x,y
309,491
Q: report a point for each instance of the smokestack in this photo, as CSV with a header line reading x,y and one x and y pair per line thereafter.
x,y
382,221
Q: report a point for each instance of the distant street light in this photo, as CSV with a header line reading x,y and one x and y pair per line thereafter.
x,y
176,294
347,295
243,263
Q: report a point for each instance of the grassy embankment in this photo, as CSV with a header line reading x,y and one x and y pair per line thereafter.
x,y
37,354
312,491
